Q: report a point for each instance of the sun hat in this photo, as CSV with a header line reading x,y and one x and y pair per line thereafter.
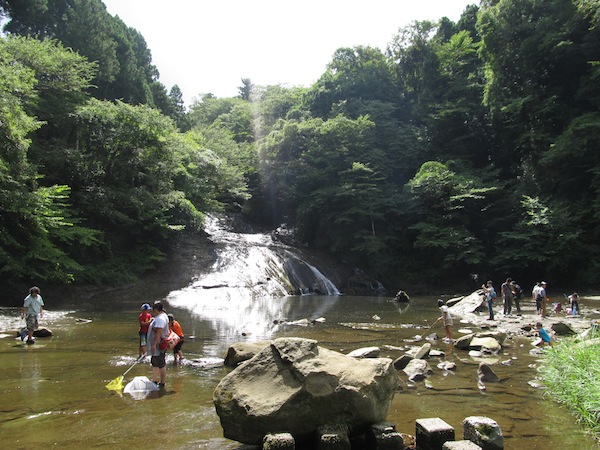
x,y
146,306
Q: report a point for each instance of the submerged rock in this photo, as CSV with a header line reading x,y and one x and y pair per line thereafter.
x,y
39,333
366,352
293,385
485,373
417,369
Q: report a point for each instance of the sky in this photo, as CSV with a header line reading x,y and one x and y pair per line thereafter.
x,y
208,46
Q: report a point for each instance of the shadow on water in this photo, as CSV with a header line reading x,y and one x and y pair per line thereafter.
x,y
54,392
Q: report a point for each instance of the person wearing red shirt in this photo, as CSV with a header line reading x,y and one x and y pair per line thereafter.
x,y
145,318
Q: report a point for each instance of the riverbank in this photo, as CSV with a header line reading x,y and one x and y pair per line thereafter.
x,y
571,371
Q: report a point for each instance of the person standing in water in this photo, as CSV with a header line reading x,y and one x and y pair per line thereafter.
x,y
446,320
159,328
176,327
33,306
144,319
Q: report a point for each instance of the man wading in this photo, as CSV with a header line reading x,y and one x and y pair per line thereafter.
x,y
158,328
32,308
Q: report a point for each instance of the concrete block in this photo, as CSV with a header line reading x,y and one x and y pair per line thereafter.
x,y
460,445
431,433
383,436
332,438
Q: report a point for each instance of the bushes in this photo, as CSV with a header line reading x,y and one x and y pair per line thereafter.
x,y
572,374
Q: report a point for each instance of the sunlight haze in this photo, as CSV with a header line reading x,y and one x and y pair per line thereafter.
x,y
208,47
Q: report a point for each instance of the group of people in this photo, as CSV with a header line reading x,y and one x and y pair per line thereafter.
x,y
512,292
153,328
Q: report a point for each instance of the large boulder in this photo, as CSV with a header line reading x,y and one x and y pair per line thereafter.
x,y
469,304
562,329
295,386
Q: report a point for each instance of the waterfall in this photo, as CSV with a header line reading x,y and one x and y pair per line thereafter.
x,y
251,274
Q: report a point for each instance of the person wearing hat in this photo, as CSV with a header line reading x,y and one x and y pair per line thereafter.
x,y
144,318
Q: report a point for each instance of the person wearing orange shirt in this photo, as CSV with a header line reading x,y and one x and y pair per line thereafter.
x,y
176,327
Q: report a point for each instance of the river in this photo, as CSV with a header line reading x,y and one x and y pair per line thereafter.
x,y
54,395
233,287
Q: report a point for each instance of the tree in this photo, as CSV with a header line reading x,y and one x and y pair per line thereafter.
x,y
246,89
37,223
354,77
125,69
445,206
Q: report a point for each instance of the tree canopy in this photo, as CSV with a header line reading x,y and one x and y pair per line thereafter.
x,y
462,148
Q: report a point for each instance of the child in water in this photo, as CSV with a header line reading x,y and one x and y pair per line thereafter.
x,y
544,335
446,319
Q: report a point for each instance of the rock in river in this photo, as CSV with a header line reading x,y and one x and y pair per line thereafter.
x,y
295,386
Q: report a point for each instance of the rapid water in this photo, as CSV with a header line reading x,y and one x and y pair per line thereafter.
x,y
54,394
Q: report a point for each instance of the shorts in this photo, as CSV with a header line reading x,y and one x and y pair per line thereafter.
x,y
31,321
158,361
143,337
178,346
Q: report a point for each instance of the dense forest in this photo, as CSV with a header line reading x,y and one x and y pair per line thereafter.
x,y
462,148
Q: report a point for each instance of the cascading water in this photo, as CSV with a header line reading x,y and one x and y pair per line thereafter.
x,y
244,289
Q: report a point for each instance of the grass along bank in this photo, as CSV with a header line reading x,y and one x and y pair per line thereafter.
x,y
571,371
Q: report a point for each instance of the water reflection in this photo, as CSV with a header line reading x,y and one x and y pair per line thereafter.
x,y
232,314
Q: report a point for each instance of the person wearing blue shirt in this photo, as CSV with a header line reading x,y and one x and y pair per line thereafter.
x,y
544,335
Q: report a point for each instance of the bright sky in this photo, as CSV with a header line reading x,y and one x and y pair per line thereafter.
x,y
207,46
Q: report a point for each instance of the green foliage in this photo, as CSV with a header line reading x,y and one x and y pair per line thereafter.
x,y
124,62
466,147
127,164
571,370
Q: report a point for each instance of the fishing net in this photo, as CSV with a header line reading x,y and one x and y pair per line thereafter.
x,y
116,384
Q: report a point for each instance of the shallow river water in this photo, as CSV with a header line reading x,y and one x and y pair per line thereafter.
x,y
53,393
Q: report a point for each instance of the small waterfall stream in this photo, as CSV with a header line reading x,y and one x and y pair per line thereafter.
x,y
244,287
